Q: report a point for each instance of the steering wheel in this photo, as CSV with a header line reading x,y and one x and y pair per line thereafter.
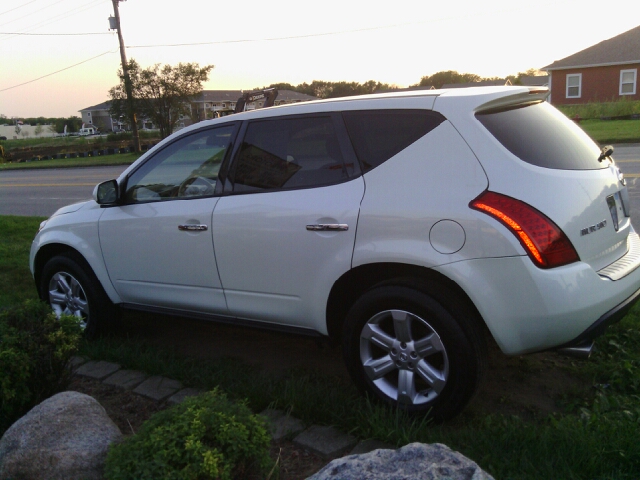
x,y
196,187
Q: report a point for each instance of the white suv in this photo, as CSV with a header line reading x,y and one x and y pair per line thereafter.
x,y
403,225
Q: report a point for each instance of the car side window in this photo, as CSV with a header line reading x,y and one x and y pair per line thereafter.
x,y
378,135
289,153
187,168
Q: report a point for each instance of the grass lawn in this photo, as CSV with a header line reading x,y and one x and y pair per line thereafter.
x,y
612,131
103,160
595,434
16,234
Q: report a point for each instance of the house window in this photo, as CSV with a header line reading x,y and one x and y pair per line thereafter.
x,y
89,114
574,85
628,80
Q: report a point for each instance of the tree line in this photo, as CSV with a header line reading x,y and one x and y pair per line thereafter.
x,y
53,124
322,89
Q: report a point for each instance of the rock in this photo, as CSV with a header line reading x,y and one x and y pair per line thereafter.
x,y
64,437
416,461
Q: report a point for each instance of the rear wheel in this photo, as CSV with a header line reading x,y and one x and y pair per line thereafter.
x,y
69,285
406,348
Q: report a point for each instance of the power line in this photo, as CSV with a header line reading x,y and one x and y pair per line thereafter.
x,y
58,71
55,34
16,8
54,19
31,13
273,39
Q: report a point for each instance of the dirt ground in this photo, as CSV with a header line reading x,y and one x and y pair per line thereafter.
x,y
529,386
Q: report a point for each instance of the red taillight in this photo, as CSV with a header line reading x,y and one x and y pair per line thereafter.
x,y
543,241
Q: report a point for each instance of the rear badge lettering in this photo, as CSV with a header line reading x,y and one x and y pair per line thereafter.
x,y
593,228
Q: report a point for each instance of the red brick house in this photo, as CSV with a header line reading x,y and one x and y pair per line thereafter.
x,y
605,72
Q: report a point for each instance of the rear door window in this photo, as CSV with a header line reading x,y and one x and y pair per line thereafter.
x,y
378,135
286,153
541,135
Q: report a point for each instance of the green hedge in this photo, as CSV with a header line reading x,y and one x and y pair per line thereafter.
x,y
35,348
205,437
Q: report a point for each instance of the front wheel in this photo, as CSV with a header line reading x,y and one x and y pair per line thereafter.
x,y
403,346
70,287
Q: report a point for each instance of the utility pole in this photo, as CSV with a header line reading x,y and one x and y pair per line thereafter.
x,y
127,79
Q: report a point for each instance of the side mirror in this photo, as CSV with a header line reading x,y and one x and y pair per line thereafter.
x,y
106,193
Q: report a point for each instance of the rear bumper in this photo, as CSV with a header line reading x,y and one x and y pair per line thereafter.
x,y
598,328
528,309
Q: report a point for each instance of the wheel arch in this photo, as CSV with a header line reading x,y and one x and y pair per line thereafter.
x,y
48,251
348,288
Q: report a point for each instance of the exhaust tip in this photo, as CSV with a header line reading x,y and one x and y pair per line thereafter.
x,y
582,350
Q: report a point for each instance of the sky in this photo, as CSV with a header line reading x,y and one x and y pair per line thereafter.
x,y
253,44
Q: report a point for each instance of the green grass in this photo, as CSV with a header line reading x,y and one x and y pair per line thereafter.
x,y
16,235
597,110
105,160
612,131
598,436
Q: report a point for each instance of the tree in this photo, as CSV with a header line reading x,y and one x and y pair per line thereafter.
x,y
38,130
450,76
322,89
160,94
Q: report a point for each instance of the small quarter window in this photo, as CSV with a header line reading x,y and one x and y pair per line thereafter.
x,y
289,153
378,135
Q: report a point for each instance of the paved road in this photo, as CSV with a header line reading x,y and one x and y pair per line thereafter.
x,y
627,158
41,192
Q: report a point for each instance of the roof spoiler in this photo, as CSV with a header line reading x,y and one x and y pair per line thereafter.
x,y
533,95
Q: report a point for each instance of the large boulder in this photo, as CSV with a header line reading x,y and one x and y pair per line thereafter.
x,y
64,437
416,461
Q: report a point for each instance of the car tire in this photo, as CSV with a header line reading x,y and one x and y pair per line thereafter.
x,y
70,287
416,349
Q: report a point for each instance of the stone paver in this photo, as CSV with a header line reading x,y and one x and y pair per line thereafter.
x,y
75,362
127,379
327,442
282,425
98,370
158,388
181,395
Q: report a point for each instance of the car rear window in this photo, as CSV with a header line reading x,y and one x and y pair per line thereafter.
x,y
378,135
541,135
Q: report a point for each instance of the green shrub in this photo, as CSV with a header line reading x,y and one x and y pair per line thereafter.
x,y
205,437
128,136
607,109
35,348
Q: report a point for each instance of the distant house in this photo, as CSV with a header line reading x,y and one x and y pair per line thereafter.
x,y
604,72
535,80
209,104
98,116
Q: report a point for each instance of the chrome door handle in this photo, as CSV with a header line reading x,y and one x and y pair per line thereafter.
x,y
192,228
328,227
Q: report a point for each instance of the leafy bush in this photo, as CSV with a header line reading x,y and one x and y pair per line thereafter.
x,y
205,437
611,109
35,348
128,136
